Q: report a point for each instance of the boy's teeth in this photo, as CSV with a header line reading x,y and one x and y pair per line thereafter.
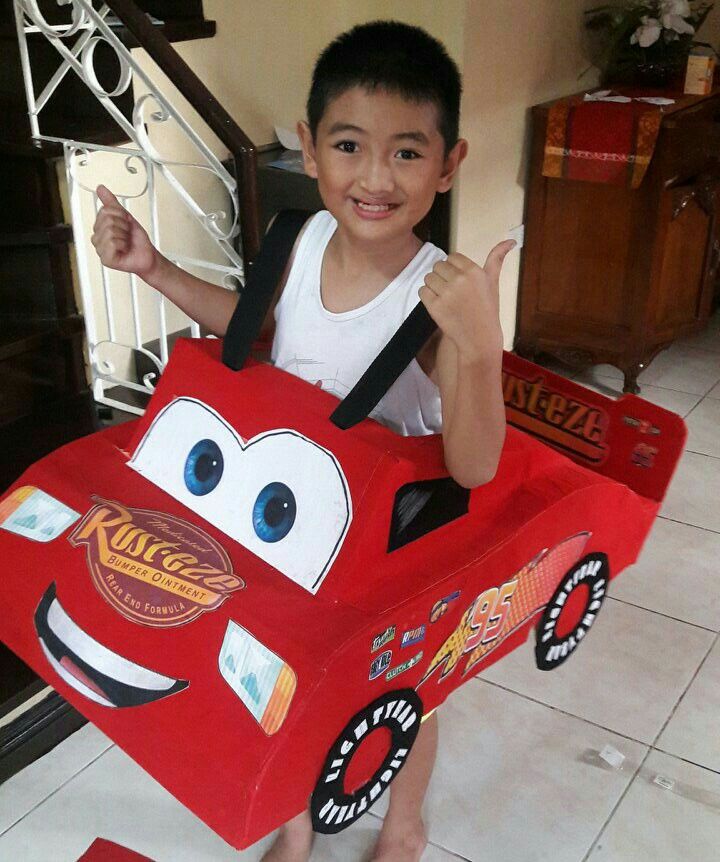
x,y
373,208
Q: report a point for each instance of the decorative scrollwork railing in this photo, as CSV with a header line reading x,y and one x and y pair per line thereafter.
x,y
122,315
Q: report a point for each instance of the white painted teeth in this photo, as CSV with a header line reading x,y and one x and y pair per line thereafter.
x,y
99,657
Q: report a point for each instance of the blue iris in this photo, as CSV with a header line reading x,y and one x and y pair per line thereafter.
x,y
274,512
203,467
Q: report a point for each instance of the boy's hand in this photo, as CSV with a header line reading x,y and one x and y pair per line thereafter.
x,y
120,241
464,300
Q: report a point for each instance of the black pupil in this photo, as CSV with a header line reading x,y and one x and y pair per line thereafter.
x,y
204,467
275,511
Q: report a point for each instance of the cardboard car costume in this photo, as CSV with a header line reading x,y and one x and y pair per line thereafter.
x,y
259,606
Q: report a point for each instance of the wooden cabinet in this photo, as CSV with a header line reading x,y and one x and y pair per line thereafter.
x,y
615,275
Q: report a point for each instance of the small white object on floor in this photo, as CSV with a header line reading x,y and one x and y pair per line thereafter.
x,y
612,757
665,783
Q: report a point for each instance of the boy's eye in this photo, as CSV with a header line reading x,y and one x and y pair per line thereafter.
x,y
346,146
408,155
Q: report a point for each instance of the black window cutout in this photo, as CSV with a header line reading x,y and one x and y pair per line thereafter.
x,y
421,507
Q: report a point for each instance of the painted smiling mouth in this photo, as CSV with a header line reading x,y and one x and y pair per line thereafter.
x,y
92,669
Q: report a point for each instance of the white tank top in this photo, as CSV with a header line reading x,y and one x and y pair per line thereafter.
x,y
334,350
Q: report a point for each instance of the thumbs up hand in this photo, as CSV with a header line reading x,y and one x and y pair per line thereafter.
x,y
464,300
119,239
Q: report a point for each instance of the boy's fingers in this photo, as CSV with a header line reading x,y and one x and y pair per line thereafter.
x,y
495,259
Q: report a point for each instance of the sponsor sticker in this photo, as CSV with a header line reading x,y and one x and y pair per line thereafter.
x,y
644,426
644,455
259,677
383,638
441,606
380,664
401,668
32,513
151,567
413,636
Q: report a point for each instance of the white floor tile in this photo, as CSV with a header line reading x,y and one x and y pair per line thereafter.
x,y
627,676
517,781
693,494
21,793
676,575
704,428
708,339
693,732
715,391
683,368
114,798
602,373
657,825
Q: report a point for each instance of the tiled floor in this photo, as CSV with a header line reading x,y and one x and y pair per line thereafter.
x,y
519,776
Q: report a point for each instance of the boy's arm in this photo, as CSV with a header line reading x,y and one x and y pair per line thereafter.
x,y
123,244
473,413
463,299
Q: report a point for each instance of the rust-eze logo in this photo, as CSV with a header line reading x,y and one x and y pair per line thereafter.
x,y
155,569
566,423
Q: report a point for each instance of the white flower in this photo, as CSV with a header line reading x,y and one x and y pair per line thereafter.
x,y
673,14
677,23
675,7
647,33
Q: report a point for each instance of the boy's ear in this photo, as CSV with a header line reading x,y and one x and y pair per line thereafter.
x,y
453,161
308,149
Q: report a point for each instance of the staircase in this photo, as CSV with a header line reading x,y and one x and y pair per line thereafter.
x,y
45,397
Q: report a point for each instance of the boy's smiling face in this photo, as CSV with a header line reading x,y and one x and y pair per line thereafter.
x,y
379,160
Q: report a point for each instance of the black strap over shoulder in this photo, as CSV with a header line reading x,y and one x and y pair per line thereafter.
x,y
261,281
385,369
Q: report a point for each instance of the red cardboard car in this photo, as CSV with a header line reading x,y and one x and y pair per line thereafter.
x,y
259,607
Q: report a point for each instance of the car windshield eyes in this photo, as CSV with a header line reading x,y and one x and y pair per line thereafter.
x,y
280,495
421,507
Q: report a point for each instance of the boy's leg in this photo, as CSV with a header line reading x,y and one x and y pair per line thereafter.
x,y
403,838
294,841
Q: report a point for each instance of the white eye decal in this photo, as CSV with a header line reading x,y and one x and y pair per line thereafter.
x,y
280,495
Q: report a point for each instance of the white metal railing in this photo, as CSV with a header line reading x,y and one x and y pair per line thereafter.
x,y
122,314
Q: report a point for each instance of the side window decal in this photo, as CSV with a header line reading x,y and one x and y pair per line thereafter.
x,y
421,507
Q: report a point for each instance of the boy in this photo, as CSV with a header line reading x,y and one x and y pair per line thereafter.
x,y
381,139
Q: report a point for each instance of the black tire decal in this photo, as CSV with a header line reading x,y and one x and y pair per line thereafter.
x,y
333,809
550,650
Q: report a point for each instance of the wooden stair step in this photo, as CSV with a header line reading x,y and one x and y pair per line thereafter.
x,y
58,234
18,336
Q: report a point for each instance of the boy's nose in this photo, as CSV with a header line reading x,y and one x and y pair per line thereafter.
x,y
377,178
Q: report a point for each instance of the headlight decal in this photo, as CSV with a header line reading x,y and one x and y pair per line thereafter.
x,y
260,678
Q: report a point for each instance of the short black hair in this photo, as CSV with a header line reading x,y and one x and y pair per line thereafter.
x,y
390,56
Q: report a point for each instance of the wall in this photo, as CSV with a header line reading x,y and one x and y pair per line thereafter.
x,y
260,62
516,54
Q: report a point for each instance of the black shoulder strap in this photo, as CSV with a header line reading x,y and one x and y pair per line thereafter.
x,y
385,369
261,281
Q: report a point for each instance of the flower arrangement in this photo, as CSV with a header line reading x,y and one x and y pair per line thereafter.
x,y
644,41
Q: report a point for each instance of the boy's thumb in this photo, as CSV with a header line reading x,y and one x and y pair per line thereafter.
x,y
106,196
497,256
